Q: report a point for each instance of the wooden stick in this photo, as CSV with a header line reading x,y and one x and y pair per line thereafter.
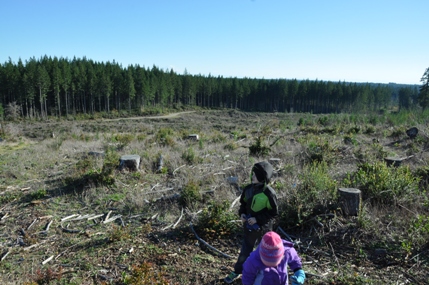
x,y
111,219
4,217
32,224
4,255
178,168
285,234
95,217
234,202
69,217
47,260
206,244
107,216
167,227
48,225
181,215
34,245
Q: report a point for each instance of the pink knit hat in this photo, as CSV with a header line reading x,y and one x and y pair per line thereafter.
x,y
271,249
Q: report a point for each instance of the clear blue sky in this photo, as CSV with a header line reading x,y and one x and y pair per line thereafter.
x,y
352,40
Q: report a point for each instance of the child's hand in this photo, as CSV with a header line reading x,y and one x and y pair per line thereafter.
x,y
251,221
243,218
298,277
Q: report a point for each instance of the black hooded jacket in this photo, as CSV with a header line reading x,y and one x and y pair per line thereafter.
x,y
260,200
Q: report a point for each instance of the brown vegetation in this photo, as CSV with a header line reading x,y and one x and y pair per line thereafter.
x,y
69,216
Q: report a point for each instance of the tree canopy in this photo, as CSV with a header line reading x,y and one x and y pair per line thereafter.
x,y
52,86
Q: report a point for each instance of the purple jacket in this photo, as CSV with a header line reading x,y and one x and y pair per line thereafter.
x,y
256,273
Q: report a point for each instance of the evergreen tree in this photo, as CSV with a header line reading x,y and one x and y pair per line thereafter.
x,y
131,91
56,80
42,82
423,97
66,82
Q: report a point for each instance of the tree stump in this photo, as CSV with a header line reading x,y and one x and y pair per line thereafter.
x,y
412,133
160,163
130,162
194,137
350,200
393,161
275,161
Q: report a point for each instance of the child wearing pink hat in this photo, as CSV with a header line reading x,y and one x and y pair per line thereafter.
x,y
267,265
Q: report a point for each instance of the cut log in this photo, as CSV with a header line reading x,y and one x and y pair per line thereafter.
x,y
350,200
393,161
130,162
396,161
275,161
195,137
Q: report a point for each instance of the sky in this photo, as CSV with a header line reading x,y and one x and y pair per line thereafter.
x,y
377,41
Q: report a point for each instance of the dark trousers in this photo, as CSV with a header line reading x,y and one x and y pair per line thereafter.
x,y
249,241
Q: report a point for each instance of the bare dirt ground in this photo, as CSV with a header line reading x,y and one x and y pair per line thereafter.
x,y
41,240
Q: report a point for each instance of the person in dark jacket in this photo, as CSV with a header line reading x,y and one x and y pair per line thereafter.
x,y
268,264
258,210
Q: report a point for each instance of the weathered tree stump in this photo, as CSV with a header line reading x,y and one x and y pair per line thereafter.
x,y
275,161
396,161
393,161
194,137
130,162
350,200
412,133
160,163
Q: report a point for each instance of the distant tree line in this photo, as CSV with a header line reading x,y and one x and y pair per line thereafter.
x,y
52,86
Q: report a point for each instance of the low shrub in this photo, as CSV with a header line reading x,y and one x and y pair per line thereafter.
x,y
258,148
144,274
216,221
190,194
315,194
381,183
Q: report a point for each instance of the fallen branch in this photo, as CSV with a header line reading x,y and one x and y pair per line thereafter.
x,y
70,231
336,258
47,260
48,225
111,219
69,217
95,217
4,217
31,224
167,227
285,234
4,255
107,216
234,202
178,168
206,244
34,245
181,215
87,216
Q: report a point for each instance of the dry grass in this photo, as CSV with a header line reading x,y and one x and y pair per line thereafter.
x,y
49,172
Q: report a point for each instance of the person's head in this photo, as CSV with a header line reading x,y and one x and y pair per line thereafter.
x,y
271,249
263,171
